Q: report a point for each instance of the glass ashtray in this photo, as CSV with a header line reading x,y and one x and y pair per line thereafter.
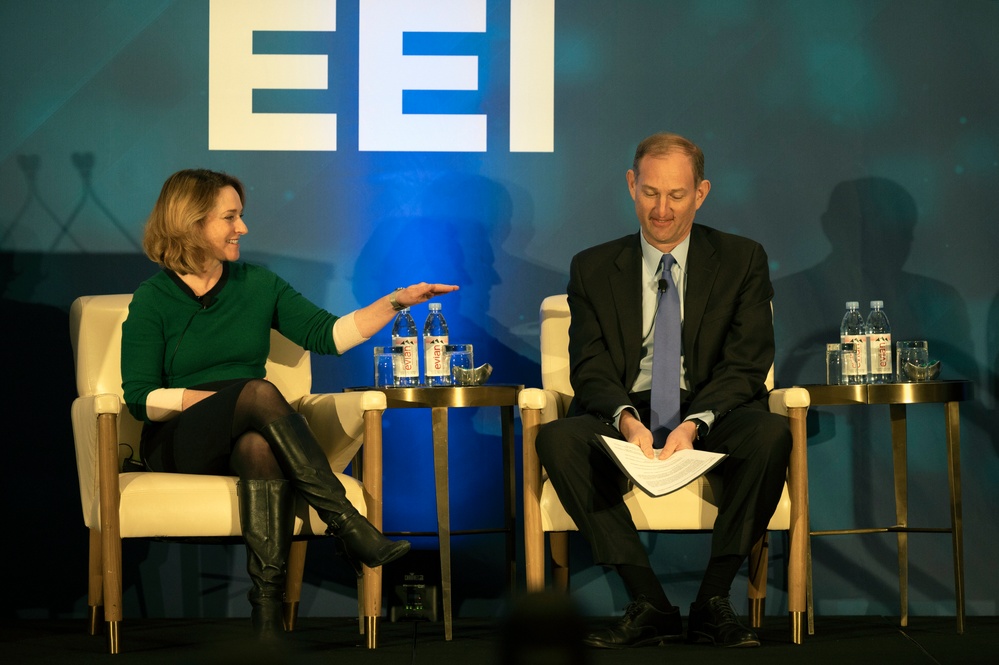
x,y
472,377
927,372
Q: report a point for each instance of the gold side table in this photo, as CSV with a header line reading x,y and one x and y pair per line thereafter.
x,y
897,396
439,400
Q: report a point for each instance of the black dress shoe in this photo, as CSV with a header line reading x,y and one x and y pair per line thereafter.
x,y
716,622
641,625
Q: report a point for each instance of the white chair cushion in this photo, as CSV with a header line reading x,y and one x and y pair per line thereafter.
x,y
690,508
188,505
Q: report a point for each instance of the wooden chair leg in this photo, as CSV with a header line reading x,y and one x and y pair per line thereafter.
x,y
370,586
534,536
95,586
110,499
809,599
758,580
293,583
558,541
798,551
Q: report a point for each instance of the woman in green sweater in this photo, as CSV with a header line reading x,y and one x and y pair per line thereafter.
x,y
192,360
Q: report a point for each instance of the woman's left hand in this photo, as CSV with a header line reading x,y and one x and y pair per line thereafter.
x,y
369,320
415,294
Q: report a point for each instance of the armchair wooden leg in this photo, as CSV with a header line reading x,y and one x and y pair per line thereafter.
x,y
114,645
95,586
534,536
809,598
558,541
107,433
371,588
95,617
293,585
798,562
758,580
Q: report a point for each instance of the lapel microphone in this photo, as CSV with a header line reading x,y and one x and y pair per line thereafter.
x,y
663,286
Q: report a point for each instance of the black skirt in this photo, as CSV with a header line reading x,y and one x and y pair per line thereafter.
x,y
197,440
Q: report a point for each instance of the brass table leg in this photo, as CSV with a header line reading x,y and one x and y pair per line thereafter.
x,y
509,494
438,417
954,474
899,459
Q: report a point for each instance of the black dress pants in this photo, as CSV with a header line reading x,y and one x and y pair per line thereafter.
x,y
591,487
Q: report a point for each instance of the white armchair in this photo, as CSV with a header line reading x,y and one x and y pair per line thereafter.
x,y
692,508
164,505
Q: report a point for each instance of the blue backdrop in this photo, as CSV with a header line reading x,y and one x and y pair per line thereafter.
x,y
858,140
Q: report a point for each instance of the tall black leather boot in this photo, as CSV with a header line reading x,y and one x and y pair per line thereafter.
x,y
267,515
304,463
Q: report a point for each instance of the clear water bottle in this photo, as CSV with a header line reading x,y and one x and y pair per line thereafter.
x,y
853,330
434,340
879,344
406,335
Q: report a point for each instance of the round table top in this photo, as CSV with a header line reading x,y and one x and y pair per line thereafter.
x,y
498,394
923,392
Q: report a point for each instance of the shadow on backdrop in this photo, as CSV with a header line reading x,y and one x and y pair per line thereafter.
x,y
40,483
449,236
870,223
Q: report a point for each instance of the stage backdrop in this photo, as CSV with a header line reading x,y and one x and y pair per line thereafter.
x,y
484,142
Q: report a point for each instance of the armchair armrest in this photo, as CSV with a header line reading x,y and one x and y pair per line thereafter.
x,y
537,406
794,403
94,416
551,403
783,399
339,421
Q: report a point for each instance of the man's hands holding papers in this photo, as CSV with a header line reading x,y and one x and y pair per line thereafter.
x,y
634,431
658,477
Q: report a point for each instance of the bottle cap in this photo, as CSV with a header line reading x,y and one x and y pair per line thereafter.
x,y
852,304
434,306
877,304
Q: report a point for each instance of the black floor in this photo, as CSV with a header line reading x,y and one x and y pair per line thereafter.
x,y
839,640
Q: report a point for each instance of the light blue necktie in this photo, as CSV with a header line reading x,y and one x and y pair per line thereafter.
x,y
666,358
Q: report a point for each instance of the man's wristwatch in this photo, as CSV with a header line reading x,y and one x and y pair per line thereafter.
x,y
702,428
396,305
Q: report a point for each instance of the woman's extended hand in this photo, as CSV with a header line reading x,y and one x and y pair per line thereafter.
x,y
374,317
422,292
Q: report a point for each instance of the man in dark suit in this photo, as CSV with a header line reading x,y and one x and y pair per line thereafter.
x,y
727,337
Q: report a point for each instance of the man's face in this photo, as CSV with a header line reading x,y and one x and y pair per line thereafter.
x,y
666,198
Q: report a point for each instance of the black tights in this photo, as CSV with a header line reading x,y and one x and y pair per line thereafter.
x,y
259,404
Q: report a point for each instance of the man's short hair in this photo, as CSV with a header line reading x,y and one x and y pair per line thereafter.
x,y
665,143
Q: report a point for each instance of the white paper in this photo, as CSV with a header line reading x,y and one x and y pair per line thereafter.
x,y
655,476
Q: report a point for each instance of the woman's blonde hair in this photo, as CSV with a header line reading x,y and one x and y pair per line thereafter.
x,y
174,236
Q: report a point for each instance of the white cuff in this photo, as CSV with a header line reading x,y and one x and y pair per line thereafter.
x,y
346,335
707,416
164,403
620,410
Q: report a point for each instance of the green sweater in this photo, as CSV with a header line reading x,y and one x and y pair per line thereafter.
x,y
169,340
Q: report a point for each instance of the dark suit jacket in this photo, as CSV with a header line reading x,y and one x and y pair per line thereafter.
x,y
728,335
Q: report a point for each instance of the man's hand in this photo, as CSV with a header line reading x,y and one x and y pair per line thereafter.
x,y
633,431
637,433
682,438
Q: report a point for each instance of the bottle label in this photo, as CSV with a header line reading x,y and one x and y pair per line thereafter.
x,y
880,353
410,368
433,347
855,367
